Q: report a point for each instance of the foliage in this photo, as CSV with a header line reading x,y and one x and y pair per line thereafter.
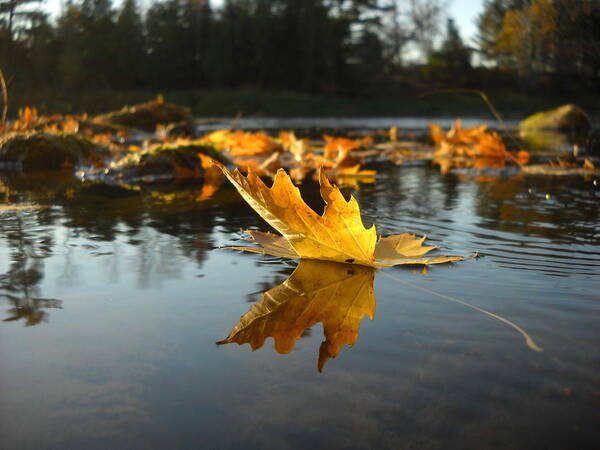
x,y
343,46
123,153
544,41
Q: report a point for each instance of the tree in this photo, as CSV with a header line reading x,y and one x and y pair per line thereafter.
x,y
490,23
527,40
24,34
413,23
130,60
99,45
13,19
196,28
70,34
451,64
577,43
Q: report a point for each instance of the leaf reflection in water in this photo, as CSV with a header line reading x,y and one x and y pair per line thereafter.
x,y
337,295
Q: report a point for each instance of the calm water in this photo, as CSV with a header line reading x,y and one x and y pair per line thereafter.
x,y
113,300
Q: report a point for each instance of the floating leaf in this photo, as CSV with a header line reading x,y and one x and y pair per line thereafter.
x,y
241,143
338,235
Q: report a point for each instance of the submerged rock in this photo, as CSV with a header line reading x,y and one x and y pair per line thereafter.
x,y
47,151
164,162
146,116
566,118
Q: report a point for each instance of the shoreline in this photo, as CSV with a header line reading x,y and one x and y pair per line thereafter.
x,y
208,104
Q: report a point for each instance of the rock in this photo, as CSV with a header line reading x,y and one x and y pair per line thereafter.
x,y
567,118
164,162
146,116
46,151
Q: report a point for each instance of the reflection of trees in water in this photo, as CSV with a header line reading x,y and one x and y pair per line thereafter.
x,y
29,242
407,194
160,226
563,210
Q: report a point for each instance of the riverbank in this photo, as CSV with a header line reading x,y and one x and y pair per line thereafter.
x,y
252,102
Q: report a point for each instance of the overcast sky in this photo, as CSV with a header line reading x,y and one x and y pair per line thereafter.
x,y
464,12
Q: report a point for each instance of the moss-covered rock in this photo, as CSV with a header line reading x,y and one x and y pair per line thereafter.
x,y
146,116
164,162
46,151
566,118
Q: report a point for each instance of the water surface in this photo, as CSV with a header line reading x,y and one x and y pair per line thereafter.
x,y
113,299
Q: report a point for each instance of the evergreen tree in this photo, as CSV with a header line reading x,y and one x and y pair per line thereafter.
x,y
167,63
70,34
577,43
99,42
451,64
196,31
130,60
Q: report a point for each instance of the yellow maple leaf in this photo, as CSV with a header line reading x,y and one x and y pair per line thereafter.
x,y
336,295
338,235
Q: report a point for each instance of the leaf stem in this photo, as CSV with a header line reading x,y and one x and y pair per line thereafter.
x,y
528,340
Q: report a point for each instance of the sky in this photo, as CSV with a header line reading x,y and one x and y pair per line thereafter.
x,y
464,13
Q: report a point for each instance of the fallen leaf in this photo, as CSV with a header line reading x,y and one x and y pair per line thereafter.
x,y
241,143
467,142
337,295
291,143
338,235
350,176
354,171
338,149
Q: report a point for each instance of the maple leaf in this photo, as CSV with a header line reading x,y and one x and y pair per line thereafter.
x,y
241,143
338,149
338,235
469,142
336,295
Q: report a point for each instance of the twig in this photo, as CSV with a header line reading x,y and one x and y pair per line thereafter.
x,y
4,96
235,121
489,104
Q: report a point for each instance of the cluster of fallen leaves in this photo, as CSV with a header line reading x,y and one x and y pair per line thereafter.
x,y
475,147
345,160
264,155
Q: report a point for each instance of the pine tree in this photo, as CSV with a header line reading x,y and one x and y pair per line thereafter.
x,y
130,60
